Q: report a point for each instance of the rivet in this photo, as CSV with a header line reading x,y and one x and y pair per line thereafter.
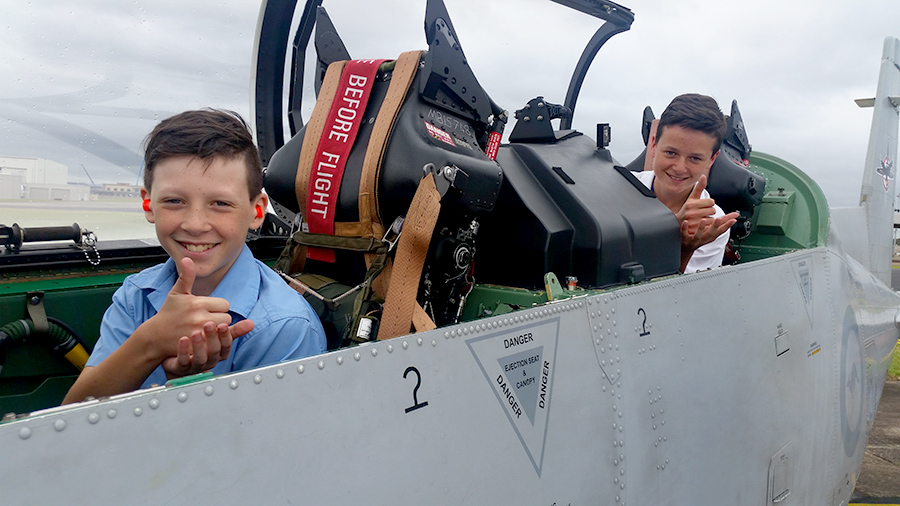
x,y
339,360
405,345
138,411
300,369
446,335
433,343
622,486
182,397
154,403
390,348
93,418
112,414
234,383
620,414
279,374
209,390
597,341
25,433
615,444
59,425
374,352
621,443
616,462
321,365
465,331
654,426
357,356
472,329
616,480
257,379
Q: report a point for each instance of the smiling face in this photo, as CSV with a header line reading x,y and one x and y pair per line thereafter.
x,y
679,156
202,210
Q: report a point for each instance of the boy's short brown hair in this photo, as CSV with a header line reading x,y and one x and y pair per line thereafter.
x,y
695,112
206,134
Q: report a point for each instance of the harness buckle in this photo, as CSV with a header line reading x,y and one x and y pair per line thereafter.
x,y
392,235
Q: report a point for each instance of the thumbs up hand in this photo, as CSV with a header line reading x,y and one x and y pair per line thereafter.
x,y
192,333
698,224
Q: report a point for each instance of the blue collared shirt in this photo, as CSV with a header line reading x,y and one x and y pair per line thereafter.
x,y
285,326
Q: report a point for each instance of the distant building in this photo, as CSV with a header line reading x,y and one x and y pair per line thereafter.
x,y
34,170
37,179
56,192
120,190
12,186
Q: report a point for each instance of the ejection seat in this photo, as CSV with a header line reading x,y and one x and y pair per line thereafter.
x,y
426,115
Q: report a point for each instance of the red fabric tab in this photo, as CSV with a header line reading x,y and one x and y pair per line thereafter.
x,y
338,135
493,145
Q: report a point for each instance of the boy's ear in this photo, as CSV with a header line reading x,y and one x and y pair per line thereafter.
x,y
148,209
713,160
262,202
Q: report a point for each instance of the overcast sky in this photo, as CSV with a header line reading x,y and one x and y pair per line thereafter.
x,y
81,83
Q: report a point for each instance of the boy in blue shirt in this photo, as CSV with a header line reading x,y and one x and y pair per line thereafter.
x,y
211,306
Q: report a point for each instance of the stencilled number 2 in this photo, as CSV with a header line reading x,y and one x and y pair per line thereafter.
x,y
415,393
644,331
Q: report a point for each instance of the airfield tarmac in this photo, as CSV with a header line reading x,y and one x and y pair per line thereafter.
x,y
879,481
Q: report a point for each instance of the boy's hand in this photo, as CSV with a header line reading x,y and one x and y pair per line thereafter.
x,y
182,314
698,227
203,350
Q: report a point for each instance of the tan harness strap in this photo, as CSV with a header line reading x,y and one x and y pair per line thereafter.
x,y
404,71
409,260
313,132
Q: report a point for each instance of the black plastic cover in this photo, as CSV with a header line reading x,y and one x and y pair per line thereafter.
x,y
597,223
